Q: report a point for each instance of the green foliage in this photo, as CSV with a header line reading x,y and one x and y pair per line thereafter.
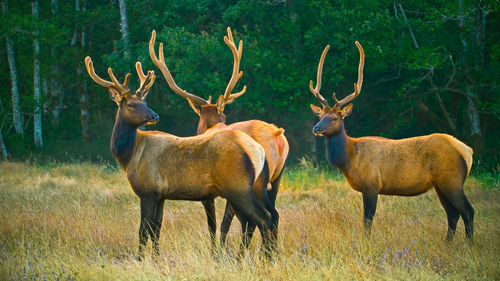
x,y
282,42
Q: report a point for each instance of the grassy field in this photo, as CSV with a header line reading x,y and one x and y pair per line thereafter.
x,y
80,221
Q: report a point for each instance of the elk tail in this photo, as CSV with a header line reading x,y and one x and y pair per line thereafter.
x,y
278,132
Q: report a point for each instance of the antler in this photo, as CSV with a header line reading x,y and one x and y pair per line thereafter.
x,y
122,88
357,86
315,91
145,85
228,98
160,63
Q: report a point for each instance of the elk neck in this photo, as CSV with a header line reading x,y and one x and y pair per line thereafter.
x,y
337,149
209,117
123,140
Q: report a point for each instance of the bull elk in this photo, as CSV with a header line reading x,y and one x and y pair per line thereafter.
x,y
161,166
405,167
212,118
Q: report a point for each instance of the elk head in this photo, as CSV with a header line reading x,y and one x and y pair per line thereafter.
x,y
210,114
331,117
132,108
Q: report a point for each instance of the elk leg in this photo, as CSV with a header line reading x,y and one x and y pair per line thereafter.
x,y
451,213
270,206
148,209
247,205
226,223
275,186
247,230
157,221
211,220
463,206
370,206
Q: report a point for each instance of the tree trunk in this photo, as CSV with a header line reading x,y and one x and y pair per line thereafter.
x,y
82,83
37,119
3,150
55,86
124,26
16,108
84,104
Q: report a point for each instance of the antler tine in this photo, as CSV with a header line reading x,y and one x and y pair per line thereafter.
x,y
145,85
94,76
357,86
160,63
237,52
315,91
123,88
140,73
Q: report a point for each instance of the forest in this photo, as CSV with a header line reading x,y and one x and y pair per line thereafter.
x,y
431,66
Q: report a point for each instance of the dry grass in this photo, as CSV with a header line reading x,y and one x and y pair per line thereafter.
x,y
80,221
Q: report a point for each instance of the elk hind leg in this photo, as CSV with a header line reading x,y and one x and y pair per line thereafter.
x,y
226,223
451,213
369,206
248,206
458,200
209,206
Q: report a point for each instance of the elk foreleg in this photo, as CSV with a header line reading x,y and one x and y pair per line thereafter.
x,y
211,220
156,227
370,206
148,211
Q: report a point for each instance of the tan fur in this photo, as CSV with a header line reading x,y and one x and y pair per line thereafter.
x,y
463,149
264,133
194,167
405,167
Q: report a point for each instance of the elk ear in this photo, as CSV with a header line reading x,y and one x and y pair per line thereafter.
x,y
346,110
196,107
316,109
115,95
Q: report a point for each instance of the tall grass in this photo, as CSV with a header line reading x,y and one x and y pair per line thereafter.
x,y
80,221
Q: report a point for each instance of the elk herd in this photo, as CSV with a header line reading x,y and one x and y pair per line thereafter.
x,y
243,162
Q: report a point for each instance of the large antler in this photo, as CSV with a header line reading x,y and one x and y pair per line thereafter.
x,y
228,98
145,85
122,88
160,63
357,86
315,91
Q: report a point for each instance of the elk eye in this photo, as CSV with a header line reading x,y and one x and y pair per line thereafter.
x,y
335,119
131,105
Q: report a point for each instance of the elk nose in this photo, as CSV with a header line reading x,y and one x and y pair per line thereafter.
x,y
155,117
316,129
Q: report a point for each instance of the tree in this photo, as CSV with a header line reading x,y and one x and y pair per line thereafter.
x,y
16,108
37,118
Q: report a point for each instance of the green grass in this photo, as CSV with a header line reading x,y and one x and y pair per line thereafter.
x,y
80,221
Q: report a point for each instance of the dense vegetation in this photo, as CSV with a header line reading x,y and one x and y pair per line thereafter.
x,y
431,66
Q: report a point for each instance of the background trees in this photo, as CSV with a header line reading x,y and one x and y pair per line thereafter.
x,y
431,66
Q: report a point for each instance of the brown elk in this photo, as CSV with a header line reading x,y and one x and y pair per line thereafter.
x,y
212,118
405,167
162,166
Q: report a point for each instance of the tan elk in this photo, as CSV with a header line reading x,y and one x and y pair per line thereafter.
x,y
405,167
162,166
212,118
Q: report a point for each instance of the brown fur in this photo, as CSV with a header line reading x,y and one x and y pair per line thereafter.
x,y
192,168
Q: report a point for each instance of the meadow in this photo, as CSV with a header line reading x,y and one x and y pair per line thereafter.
x,y
80,222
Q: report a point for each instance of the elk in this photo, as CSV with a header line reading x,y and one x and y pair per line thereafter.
x,y
212,118
405,167
162,166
